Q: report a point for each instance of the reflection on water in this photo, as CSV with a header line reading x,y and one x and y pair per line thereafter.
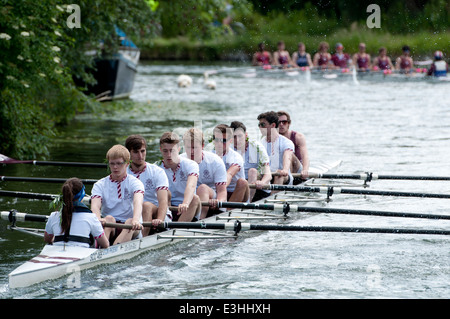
x,y
396,127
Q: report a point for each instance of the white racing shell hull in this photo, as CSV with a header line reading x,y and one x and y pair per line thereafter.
x,y
56,261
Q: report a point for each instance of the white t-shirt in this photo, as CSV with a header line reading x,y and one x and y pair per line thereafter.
x,y
154,179
255,157
276,149
117,197
212,171
233,158
83,224
178,179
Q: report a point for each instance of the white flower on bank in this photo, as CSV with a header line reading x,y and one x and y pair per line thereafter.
x,y
56,49
57,33
58,71
25,34
56,59
59,8
42,75
5,36
19,57
10,77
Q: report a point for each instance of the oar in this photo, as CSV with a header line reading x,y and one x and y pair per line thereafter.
x,y
337,190
289,208
7,160
370,176
238,226
42,179
86,199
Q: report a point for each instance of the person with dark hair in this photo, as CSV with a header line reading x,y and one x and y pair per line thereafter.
x,y
279,148
262,57
75,223
156,198
300,162
404,63
182,174
256,161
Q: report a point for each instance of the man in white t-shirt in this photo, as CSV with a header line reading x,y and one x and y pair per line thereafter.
x,y
156,197
118,197
237,185
182,174
212,181
256,161
279,148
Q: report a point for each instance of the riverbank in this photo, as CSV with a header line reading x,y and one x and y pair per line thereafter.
x,y
241,47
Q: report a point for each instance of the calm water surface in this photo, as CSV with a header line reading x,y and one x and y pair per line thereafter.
x,y
385,127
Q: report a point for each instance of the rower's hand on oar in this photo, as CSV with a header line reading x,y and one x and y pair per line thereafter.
x,y
282,172
213,203
304,175
259,185
136,225
157,222
182,208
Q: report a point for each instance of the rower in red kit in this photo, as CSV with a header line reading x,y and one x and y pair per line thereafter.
x,y
262,57
281,57
322,58
362,59
404,63
382,61
340,59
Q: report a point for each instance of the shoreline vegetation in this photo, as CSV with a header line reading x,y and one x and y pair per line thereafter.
x,y
241,47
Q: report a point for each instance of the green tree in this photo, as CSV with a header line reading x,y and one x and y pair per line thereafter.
x,y
39,55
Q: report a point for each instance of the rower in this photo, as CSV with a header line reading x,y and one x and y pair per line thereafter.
x,y
182,174
281,57
300,160
301,58
262,57
322,58
382,61
362,59
404,63
74,223
439,66
118,198
256,161
212,180
279,148
155,208
237,185
340,59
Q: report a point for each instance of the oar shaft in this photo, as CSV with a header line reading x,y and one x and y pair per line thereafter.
x,y
370,176
42,179
333,190
286,208
237,226
28,195
14,216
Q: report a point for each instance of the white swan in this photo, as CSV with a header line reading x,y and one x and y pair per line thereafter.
x,y
184,81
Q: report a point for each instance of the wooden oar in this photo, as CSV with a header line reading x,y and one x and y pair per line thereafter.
x,y
17,194
7,160
42,179
337,190
286,208
370,176
238,226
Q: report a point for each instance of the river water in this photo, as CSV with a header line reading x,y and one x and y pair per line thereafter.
x,y
386,127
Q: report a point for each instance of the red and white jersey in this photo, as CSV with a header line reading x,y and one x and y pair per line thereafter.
x,y
233,158
178,178
212,171
276,149
82,224
154,179
117,197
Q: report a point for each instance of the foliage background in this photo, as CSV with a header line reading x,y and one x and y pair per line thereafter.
x,y
40,55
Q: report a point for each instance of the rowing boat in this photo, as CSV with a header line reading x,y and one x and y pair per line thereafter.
x,y
57,261
351,74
